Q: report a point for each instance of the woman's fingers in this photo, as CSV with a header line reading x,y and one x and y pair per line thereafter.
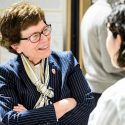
x,y
19,108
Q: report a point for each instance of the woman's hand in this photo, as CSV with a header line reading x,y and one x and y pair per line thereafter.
x,y
19,108
63,106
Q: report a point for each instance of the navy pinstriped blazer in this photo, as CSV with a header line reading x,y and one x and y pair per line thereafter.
x,y
68,81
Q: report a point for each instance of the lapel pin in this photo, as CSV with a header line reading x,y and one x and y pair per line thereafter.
x,y
53,71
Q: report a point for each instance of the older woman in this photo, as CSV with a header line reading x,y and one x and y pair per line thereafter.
x,y
110,109
40,86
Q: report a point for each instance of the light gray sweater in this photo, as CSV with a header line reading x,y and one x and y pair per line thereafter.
x,y
100,73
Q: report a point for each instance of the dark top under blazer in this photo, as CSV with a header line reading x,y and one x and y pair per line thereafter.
x,y
67,81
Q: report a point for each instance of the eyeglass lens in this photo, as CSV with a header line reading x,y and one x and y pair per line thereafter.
x,y
36,37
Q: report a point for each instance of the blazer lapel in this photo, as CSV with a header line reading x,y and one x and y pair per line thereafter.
x,y
31,88
58,79
55,78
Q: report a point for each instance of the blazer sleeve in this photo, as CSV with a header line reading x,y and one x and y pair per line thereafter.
x,y
81,92
9,97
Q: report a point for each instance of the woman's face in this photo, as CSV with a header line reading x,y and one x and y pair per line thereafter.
x,y
113,46
34,51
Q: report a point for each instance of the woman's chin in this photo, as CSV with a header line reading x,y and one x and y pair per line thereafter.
x,y
46,54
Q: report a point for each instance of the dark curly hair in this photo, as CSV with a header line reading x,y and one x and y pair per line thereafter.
x,y
116,21
16,18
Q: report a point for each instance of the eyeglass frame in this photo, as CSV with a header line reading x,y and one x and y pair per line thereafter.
x,y
40,33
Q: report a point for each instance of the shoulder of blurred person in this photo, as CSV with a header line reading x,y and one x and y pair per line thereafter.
x,y
110,109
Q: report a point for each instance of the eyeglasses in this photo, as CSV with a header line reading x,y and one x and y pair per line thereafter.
x,y
37,36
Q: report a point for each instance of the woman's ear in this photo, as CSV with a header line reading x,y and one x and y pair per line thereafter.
x,y
16,47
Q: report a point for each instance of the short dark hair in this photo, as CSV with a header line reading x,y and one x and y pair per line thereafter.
x,y
116,21
16,18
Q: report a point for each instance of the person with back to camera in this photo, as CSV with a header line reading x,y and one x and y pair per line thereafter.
x,y
100,73
39,86
110,109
